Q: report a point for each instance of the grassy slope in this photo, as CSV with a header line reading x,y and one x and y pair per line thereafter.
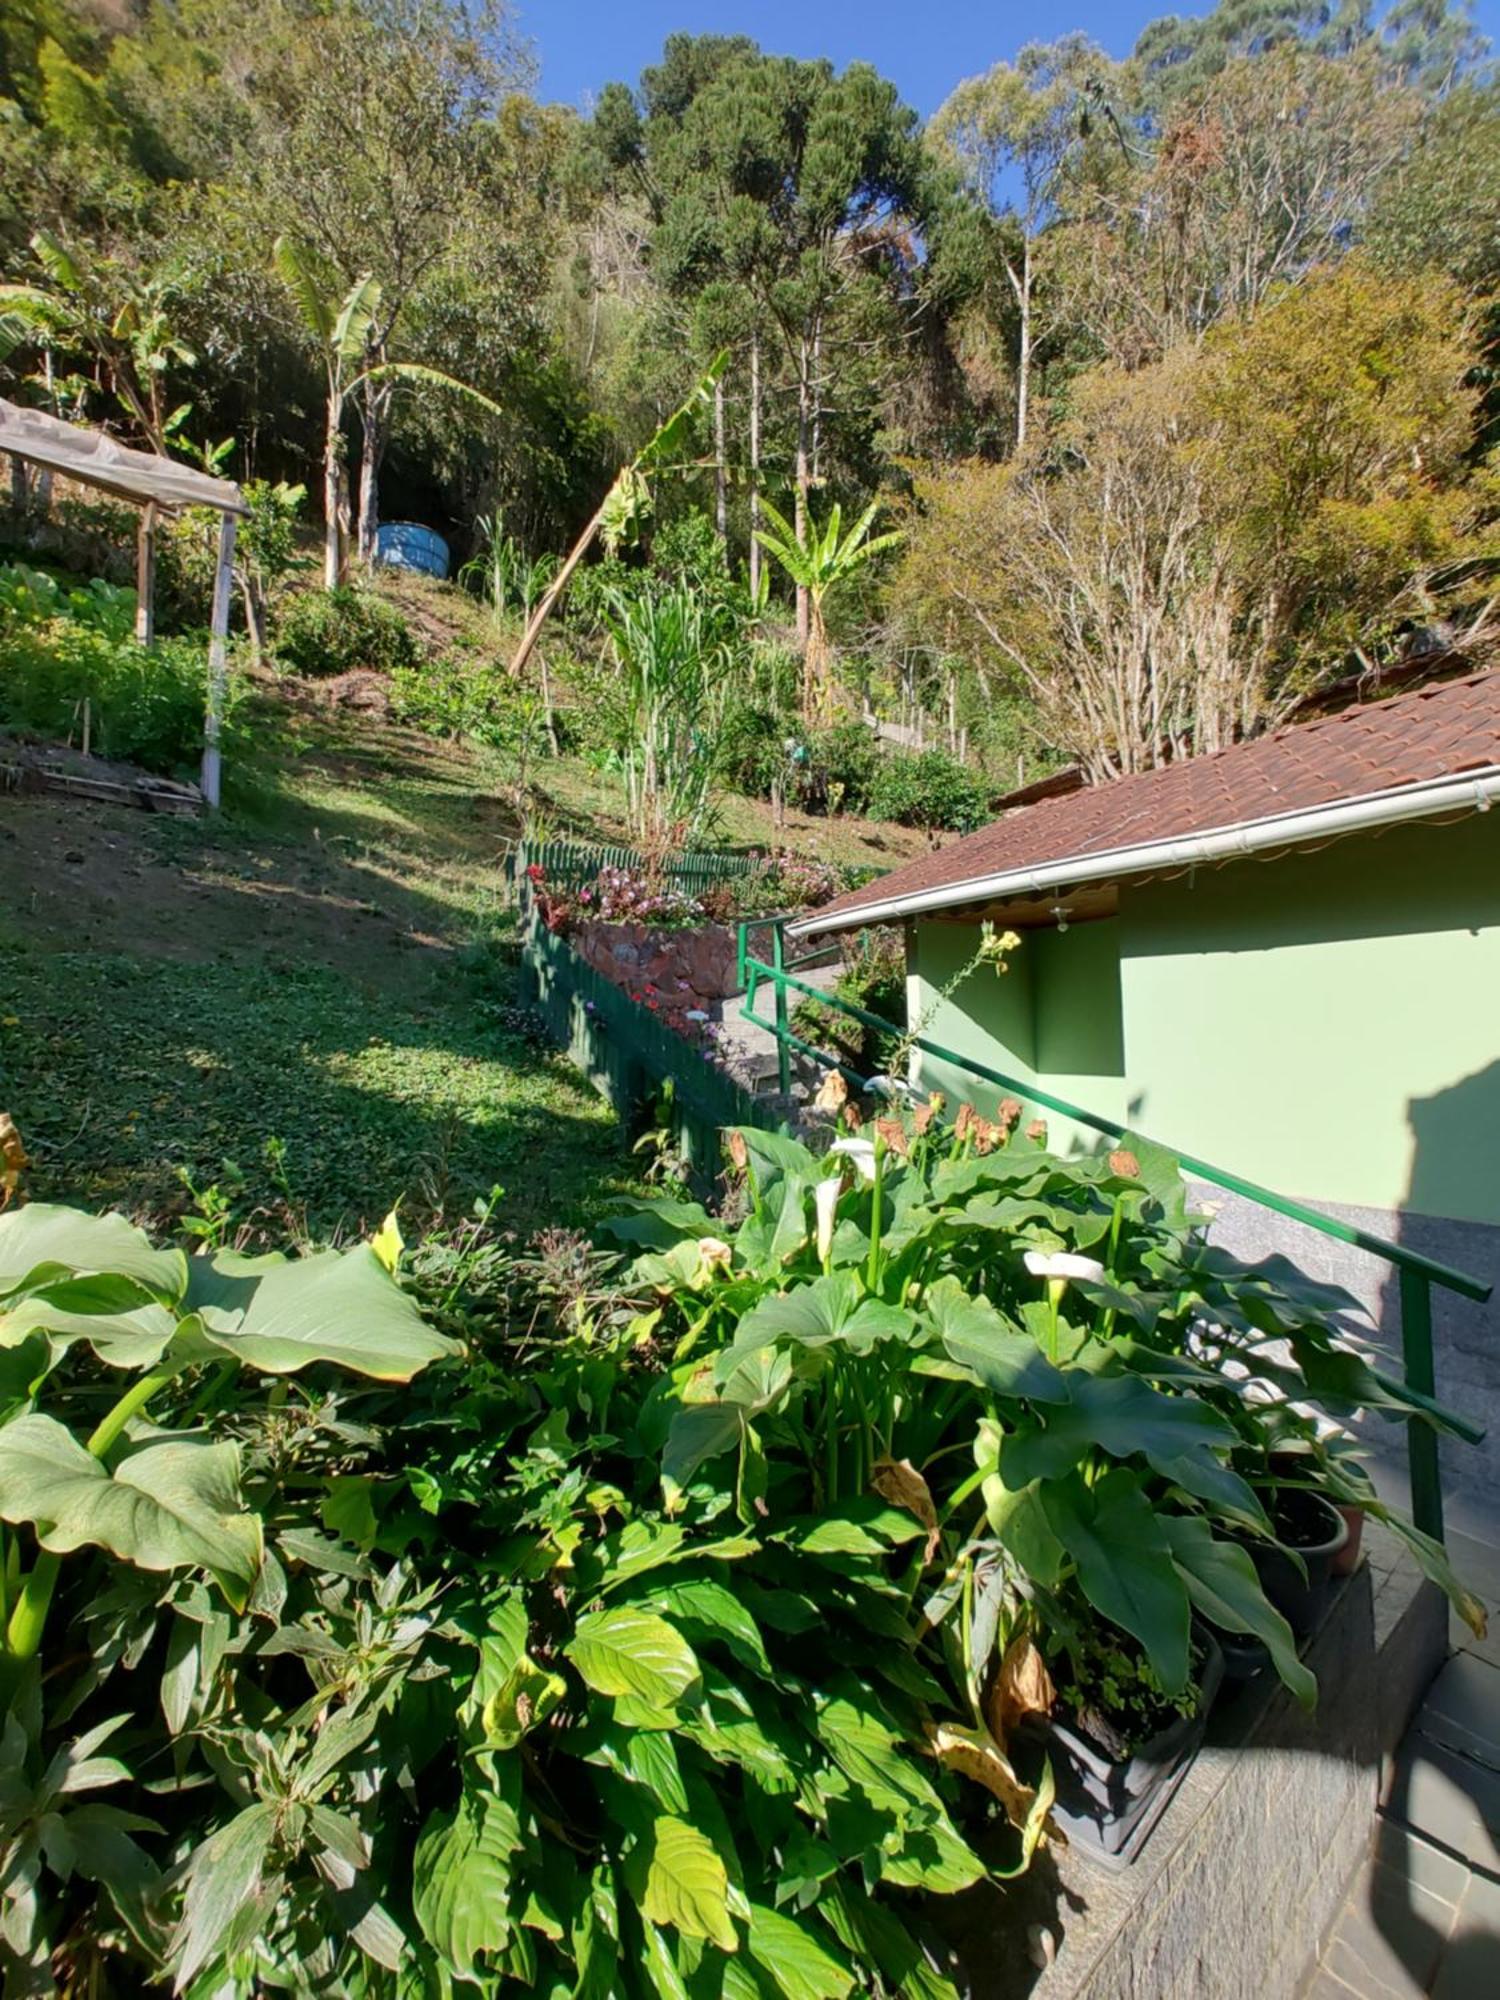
x,y
324,966
313,968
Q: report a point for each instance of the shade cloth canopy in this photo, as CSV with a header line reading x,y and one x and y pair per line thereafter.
x,y
96,459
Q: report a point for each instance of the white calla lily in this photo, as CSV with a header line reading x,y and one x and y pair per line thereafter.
x,y
825,1201
861,1152
1062,1264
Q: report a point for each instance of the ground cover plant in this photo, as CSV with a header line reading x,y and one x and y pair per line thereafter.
x,y
643,1625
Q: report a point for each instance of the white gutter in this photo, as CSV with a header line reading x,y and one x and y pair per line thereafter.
x,y
1475,790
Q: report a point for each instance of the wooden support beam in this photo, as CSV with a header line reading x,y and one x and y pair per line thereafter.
x,y
218,661
145,576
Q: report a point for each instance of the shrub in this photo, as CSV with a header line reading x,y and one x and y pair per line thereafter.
x,y
875,979
145,705
324,632
462,694
929,789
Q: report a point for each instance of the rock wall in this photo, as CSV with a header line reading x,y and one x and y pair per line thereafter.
x,y
687,968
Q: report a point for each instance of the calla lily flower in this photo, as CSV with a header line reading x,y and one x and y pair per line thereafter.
x,y
1063,1264
714,1250
861,1152
825,1201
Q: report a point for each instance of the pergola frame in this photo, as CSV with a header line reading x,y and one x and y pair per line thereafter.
x,y
157,486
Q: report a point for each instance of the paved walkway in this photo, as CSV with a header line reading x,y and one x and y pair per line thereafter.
x,y
1424,1918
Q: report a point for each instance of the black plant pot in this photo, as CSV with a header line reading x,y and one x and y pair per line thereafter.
x,y
1316,1530
1109,1808
1244,1657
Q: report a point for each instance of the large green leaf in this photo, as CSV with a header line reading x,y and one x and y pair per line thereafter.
x,y
1222,1583
134,1336
830,1309
628,1652
461,1874
1020,1523
1123,1415
1125,1564
170,1505
341,1306
803,1965
686,1885
991,1348
42,1243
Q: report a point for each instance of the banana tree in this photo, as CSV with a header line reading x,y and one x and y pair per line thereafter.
x,y
820,562
627,499
120,325
350,331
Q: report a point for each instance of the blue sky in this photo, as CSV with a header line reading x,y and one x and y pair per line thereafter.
x,y
925,46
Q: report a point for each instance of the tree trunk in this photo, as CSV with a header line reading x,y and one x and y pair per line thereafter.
x,y
755,548
20,484
375,414
804,474
1023,369
335,495
721,470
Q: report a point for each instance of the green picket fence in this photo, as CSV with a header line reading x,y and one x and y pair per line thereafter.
x,y
629,1056
571,863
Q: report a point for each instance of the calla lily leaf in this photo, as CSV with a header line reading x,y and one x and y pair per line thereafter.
x,y
172,1504
338,1306
42,1244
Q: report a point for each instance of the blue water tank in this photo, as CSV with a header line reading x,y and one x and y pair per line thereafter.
x,y
408,545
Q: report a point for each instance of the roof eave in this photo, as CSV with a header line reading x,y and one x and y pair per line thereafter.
x,y
1475,789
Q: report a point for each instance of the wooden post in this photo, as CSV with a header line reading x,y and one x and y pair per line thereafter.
x,y
145,576
218,664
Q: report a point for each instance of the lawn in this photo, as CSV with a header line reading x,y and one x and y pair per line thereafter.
x,y
310,1003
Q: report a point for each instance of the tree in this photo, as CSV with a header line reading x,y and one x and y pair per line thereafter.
x,y
374,142
1207,538
799,187
1010,133
117,323
820,562
341,329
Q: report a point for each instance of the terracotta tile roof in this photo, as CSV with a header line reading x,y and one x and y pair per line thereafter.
x,y
1436,732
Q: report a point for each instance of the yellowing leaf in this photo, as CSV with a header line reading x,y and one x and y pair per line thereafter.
x,y
899,1481
686,1884
388,1243
975,1754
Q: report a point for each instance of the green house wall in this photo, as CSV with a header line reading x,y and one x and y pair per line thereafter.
x,y
1327,1023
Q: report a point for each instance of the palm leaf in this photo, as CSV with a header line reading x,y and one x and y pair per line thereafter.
x,y
415,371
351,330
310,283
59,264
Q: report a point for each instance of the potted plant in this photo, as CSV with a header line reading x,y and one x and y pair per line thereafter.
x,y
1296,1568
1118,1745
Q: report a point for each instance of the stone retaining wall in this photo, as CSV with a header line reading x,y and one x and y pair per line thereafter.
x,y
687,968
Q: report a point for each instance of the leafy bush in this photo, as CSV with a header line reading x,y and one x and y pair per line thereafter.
x,y
658,1646
463,695
323,632
929,789
31,596
874,979
145,706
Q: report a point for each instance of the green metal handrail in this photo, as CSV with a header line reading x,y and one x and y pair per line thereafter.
x,y
1416,1273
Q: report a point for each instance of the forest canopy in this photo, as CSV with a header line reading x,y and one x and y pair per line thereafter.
x,y
1171,378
